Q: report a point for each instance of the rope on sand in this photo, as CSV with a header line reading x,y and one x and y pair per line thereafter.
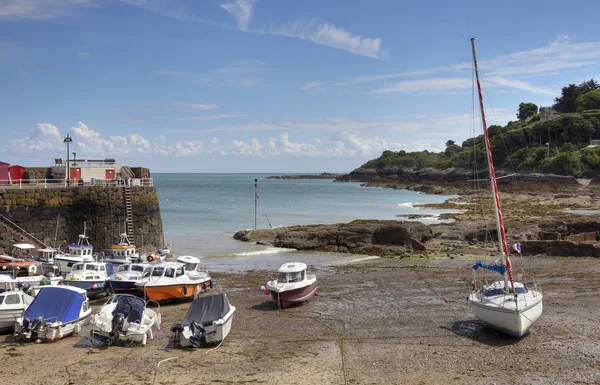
x,y
166,359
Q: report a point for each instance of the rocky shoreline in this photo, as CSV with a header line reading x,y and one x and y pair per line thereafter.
x,y
324,175
535,207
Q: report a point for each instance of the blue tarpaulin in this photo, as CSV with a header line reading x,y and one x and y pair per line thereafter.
x,y
500,269
56,304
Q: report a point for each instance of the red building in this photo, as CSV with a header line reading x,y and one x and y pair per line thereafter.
x,y
16,173
3,173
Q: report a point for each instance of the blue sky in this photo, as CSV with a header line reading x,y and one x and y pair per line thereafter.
x,y
273,86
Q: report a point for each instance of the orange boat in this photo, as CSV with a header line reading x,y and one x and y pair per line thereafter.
x,y
174,280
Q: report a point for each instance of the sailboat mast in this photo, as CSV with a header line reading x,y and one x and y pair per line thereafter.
x,y
495,195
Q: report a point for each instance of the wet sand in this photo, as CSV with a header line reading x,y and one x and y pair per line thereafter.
x,y
383,321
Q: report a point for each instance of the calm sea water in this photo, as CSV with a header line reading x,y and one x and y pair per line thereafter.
x,y
201,212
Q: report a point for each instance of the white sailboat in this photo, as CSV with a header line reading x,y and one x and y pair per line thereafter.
x,y
505,305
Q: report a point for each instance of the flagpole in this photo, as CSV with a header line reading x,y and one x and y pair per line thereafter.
x,y
255,200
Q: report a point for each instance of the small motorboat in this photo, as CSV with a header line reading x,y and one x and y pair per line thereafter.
x,y
12,304
46,258
207,321
292,285
125,318
174,280
54,313
78,252
126,276
122,252
90,276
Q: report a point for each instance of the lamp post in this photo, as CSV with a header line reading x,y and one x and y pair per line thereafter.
x,y
67,140
74,158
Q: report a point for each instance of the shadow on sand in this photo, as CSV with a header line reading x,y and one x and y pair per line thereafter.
x,y
477,331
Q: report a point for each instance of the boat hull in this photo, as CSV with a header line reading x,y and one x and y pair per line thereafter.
x,y
52,332
513,322
94,289
121,285
175,291
8,317
216,332
291,297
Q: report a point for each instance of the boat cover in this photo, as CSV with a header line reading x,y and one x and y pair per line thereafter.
x,y
207,309
56,304
131,307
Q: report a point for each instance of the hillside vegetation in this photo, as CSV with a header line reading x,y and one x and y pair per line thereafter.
x,y
557,146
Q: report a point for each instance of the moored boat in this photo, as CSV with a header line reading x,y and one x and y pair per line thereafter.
x,y
174,280
125,318
77,252
125,277
207,321
89,276
54,313
12,304
292,285
506,305
122,252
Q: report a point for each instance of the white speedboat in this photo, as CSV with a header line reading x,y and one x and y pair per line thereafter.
x,y
174,280
292,285
12,304
89,276
54,313
125,318
126,276
506,305
122,252
207,321
78,252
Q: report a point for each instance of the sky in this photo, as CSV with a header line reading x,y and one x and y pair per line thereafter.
x,y
275,86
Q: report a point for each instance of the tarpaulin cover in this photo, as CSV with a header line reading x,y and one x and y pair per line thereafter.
x,y
500,269
131,307
56,304
207,309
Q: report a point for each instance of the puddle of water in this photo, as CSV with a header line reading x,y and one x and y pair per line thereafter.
x,y
583,212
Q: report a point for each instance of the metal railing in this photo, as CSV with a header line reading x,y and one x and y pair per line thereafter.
x,y
53,183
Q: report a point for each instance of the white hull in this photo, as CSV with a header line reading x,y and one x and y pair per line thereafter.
x,y
52,331
214,333
8,317
65,263
502,313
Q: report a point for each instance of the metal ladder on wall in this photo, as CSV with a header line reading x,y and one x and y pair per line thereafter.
x,y
129,212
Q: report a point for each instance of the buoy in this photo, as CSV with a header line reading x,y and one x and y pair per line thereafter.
x,y
264,290
177,206
32,269
150,258
94,286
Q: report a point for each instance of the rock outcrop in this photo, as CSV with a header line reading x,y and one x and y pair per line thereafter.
x,y
358,237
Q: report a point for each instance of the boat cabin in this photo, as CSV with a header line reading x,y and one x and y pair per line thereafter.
x,y
46,255
89,270
22,250
124,253
168,270
129,268
190,263
291,272
82,247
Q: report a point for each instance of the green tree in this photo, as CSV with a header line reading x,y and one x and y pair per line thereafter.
x,y
526,110
567,101
452,148
588,101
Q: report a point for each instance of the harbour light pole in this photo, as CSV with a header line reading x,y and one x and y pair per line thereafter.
x,y
67,140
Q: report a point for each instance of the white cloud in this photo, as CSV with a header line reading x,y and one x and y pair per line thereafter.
x,y
521,85
241,10
39,9
214,140
212,117
90,142
310,85
44,138
188,148
312,30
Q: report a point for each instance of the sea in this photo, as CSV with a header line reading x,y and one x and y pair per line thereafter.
x,y
202,212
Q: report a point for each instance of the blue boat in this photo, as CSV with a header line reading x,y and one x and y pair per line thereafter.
x,y
89,276
78,252
126,276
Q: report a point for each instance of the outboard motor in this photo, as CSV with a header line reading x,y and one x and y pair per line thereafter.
x,y
198,337
117,326
25,287
30,328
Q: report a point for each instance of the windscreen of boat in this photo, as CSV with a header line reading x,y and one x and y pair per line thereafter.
x,y
297,276
158,271
190,266
137,268
93,267
123,268
500,291
77,267
282,278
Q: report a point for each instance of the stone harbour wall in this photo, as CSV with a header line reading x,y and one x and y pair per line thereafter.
x,y
56,215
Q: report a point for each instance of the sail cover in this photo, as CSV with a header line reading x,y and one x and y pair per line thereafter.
x,y
500,269
207,309
56,304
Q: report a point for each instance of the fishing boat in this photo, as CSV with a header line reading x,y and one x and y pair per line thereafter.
x,y
12,304
506,305
89,276
125,318
174,280
207,321
292,285
77,252
122,252
46,257
126,276
54,313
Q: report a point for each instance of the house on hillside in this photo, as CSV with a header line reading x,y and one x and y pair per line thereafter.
x,y
547,113
594,143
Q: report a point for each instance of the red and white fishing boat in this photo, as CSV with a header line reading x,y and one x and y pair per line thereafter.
x,y
506,305
292,285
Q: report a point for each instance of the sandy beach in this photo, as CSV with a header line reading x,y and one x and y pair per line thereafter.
x,y
383,321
